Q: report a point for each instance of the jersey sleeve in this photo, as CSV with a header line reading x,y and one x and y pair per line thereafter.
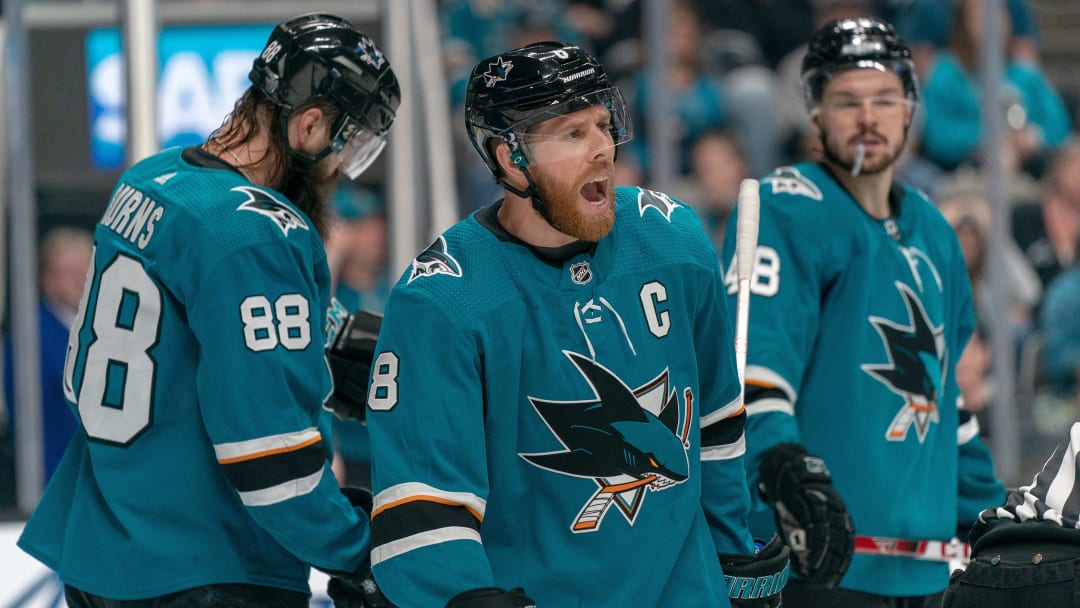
x,y
978,487
724,494
262,378
429,466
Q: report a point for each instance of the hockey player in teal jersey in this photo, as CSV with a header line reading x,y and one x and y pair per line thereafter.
x,y
554,408
856,444
196,366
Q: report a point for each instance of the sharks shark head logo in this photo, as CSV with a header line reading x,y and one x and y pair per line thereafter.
x,y
917,360
625,440
263,203
789,180
497,72
434,260
648,199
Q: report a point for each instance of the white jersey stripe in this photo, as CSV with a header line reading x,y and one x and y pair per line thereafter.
x,y
721,414
767,376
253,448
762,406
282,491
967,431
405,491
725,452
423,539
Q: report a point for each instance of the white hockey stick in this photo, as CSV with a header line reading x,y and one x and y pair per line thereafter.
x,y
746,236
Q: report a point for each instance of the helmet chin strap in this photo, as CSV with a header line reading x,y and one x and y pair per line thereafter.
x,y
531,192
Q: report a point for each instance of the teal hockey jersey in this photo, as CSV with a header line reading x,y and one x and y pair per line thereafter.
x,y
572,427
196,368
856,325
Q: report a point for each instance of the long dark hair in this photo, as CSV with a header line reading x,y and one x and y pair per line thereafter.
x,y
291,176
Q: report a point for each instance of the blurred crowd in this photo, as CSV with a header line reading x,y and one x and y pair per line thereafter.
x,y
733,87
738,112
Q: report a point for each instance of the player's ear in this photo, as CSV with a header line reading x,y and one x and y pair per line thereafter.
x,y
511,173
815,121
307,131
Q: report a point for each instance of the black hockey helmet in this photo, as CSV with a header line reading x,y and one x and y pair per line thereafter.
x,y
859,43
512,91
320,55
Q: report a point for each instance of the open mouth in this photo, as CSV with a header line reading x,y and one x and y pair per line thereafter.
x,y
596,191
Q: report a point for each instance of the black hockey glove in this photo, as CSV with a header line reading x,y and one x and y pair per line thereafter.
x,y
356,589
350,357
810,515
755,581
492,597
353,593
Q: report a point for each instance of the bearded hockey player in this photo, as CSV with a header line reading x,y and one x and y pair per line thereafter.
x,y
196,366
553,409
857,448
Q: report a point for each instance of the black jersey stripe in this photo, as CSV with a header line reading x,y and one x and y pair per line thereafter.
x,y
275,468
756,392
724,432
418,515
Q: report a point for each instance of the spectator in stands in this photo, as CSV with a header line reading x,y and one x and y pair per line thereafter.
x,y
63,260
1060,320
1036,118
357,250
706,93
1047,231
778,25
926,24
968,211
357,255
719,167
696,97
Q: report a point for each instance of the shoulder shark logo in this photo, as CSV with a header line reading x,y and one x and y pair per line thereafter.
x,y
788,180
917,360
263,203
497,72
434,260
656,200
625,440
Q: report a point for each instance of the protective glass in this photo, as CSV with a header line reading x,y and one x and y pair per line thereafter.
x,y
849,105
356,148
580,141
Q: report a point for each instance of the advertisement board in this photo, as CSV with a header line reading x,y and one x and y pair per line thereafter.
x,y
202,70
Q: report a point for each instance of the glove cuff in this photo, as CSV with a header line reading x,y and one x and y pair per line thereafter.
x,y
491,597
786,457
756,580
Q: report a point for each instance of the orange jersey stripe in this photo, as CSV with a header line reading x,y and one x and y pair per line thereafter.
x,y
265,453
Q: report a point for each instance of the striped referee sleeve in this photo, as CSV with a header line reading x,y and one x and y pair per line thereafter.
x,y
1053,494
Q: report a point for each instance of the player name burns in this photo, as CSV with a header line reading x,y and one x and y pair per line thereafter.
x,y
132,215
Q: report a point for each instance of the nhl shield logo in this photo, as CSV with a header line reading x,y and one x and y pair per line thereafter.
x,y
580,273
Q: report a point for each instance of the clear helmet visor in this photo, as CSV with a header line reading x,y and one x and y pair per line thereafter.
x,y
356,148
577,136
